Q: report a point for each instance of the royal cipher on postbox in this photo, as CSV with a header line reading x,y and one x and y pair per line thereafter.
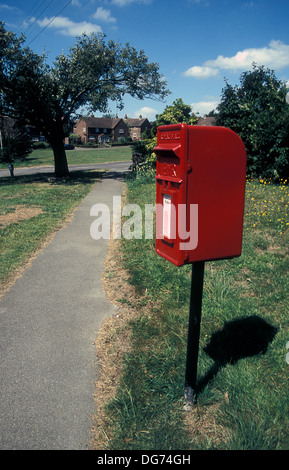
x,y
200,191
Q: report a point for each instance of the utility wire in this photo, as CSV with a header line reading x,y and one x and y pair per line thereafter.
x,y
35,19
32,12
46,26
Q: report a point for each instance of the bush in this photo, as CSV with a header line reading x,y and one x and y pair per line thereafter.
x,y
15,149
75,139
143,157
257,111
40,145
139,155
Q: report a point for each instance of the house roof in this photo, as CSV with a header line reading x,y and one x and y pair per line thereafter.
x,y
206,121
102,123
135,122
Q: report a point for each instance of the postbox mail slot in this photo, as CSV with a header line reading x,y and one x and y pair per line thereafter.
x,y
172,179
168,151
169,168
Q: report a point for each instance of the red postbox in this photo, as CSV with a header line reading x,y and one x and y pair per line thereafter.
x,y
200,179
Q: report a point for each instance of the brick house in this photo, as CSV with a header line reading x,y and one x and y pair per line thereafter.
x,y
101,130
137,126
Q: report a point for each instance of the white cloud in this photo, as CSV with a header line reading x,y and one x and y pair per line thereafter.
x,y
249,5
200,2
122,3
102,14
204,107
4,6
69,28
146,112
201,72
276,57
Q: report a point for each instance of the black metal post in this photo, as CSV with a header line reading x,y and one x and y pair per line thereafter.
x,y
194,332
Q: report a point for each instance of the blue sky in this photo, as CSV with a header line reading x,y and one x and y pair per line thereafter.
x,y
197,43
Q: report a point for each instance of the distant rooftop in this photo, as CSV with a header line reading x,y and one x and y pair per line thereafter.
x,y
206,121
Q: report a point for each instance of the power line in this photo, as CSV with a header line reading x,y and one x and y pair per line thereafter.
x,y
35,19
46,26
26,20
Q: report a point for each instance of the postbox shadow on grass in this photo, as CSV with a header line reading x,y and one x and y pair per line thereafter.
x,y
240,338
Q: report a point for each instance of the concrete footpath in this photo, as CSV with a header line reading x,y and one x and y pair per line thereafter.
x,y
48,323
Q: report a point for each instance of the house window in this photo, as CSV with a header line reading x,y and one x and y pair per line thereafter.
x,y
104,130
96,129
121,131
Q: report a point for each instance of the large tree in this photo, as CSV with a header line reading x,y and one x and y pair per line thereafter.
x,y
257,110
92,73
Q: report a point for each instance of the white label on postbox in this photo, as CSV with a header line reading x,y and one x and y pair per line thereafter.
x,y
167,215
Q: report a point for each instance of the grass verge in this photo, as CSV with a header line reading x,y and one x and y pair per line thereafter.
x,y
41,157
32,209
243,376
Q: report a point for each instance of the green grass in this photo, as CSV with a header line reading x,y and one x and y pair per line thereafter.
x,y
76,157
55,199
242,403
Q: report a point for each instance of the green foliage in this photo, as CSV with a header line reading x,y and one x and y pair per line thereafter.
x,y
144,158
150,145
95,71
257,111
176,113
139,155
14,149
74,139
15,142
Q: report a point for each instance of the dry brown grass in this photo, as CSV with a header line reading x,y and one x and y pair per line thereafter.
x,y
20,213
202,425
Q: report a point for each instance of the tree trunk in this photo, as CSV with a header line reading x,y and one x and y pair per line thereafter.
x,y
60,160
